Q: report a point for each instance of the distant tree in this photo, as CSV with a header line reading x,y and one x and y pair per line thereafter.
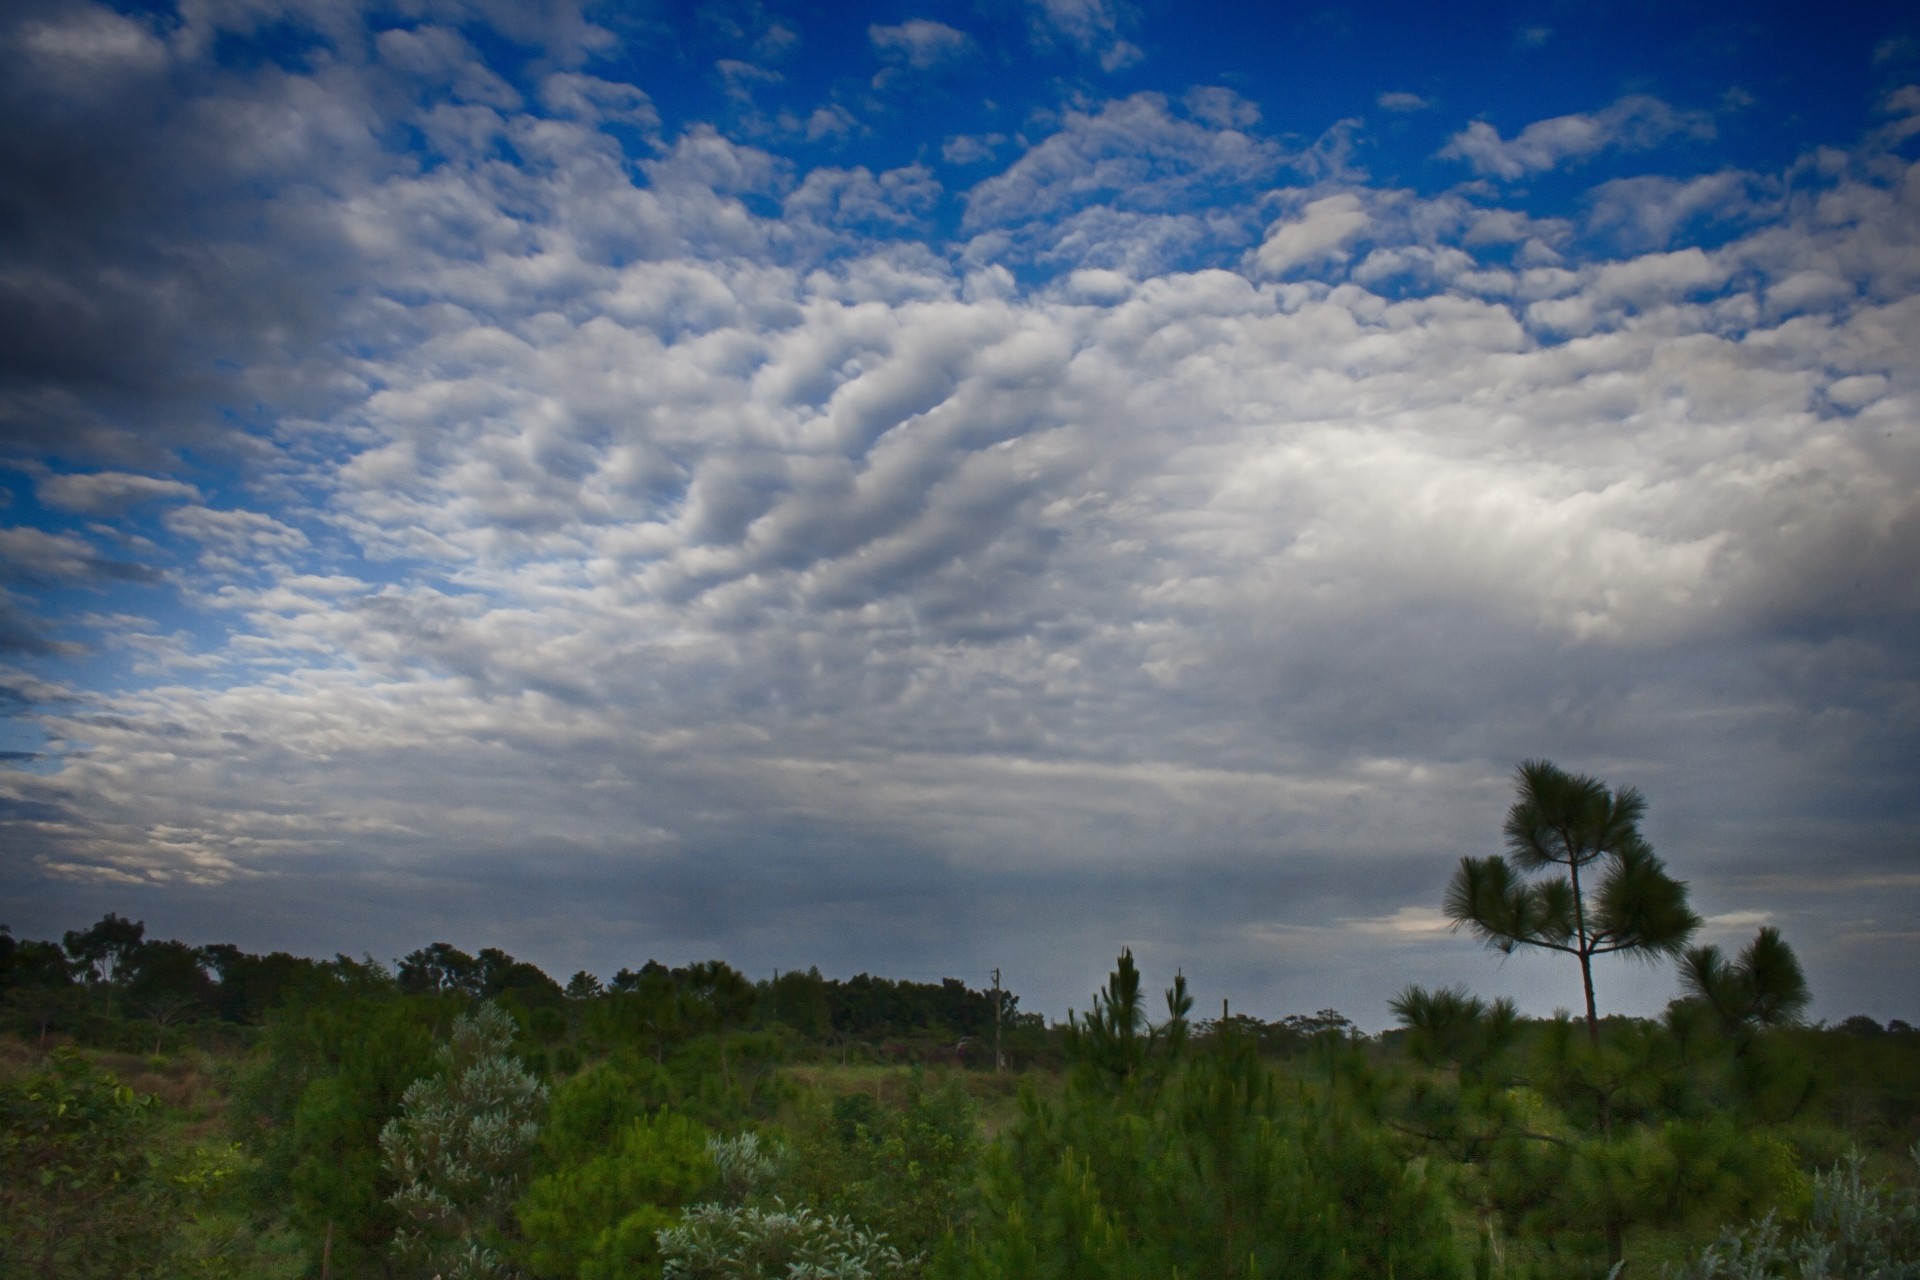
x,y
500,975
584,986
800,1001
103,948
166,983
1326,1022
36,982
27,963
723,994
646,1008
1628,903
440,967
249,985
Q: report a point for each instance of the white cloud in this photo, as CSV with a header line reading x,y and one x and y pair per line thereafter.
x,y
921,43
88,42
1647,211
1401,101
33,555
1407,922
1323,230
1736,921
898,197
109,492
1634,123
972,148
595,100
1093,26
1133,186
235,541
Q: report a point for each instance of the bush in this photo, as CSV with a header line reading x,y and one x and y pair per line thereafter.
x,y
744,1242
460,1147
1855,1231
79,1194
596,1217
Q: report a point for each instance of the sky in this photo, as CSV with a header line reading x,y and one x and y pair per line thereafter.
x,y
922,488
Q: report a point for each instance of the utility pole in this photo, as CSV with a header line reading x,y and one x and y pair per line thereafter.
x,y
998,1063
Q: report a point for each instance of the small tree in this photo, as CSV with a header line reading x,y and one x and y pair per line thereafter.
x,y
1762,987
1628,903
460,1149
1114,1038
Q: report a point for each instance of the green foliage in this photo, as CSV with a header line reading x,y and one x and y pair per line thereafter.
x,y
598,1101
596,1216
460,1149
1687,1176
79,1195
907,1171
1470,1140
331,1071
1114,1041
1762,987
1450,1026
1226,1172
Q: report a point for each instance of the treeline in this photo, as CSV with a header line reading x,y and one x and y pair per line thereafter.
x,y
109,984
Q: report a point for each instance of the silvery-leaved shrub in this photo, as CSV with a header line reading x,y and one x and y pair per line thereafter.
x,y
747,1242
460,1148
747,1166
1856,1231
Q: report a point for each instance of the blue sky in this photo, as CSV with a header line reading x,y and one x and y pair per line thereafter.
x,y
934,487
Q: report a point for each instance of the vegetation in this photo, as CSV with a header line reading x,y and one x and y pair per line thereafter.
x,y
172,1111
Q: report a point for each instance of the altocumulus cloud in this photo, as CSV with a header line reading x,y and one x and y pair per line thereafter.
x,y
602,538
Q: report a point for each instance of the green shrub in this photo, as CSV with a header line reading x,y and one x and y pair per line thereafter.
x,y
596,1216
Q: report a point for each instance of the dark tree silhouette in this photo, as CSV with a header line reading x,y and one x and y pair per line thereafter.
x,y
1627,903
1762,987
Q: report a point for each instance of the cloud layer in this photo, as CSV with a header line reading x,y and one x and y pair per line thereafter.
x,y
533,522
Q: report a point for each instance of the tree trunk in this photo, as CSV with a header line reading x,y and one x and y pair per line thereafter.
x,y
1586,956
